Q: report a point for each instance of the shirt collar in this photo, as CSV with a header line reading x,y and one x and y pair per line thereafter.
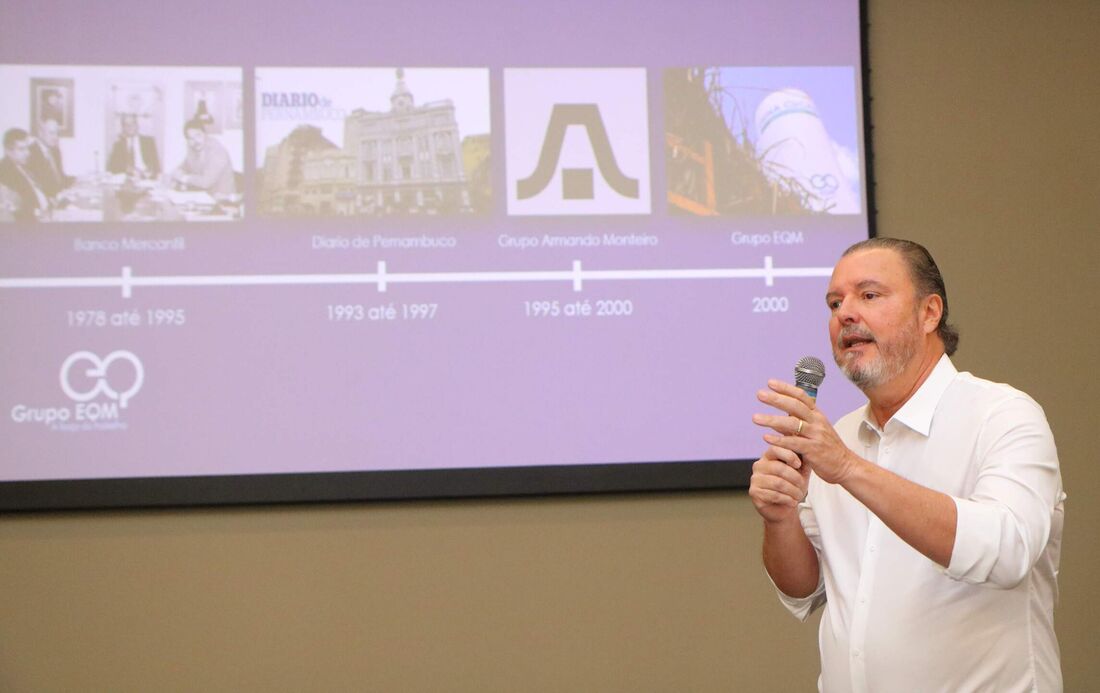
x,y
918,410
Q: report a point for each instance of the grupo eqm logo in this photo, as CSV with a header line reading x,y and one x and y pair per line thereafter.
x,y
93,377
99,387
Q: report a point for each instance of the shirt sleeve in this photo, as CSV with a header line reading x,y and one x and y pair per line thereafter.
x,y
802,607
1004,524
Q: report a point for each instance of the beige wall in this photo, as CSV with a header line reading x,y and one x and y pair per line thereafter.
x,y
986,150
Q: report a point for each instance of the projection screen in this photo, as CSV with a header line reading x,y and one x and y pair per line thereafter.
x,y
346,251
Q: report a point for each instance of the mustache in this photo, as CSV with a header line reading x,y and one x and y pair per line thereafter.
x,y
853,331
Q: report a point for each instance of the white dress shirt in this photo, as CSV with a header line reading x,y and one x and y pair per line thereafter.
x,y
136,154
895,620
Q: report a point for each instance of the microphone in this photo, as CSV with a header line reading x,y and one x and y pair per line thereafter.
x,y
809,373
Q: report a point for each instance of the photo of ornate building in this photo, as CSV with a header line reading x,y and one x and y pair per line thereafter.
x,y
409,160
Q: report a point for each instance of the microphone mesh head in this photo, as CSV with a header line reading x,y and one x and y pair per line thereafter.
x,y
809,371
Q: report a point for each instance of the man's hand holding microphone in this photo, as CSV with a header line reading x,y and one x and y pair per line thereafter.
x,y
803,440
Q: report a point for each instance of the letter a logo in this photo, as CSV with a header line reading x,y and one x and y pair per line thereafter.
x,y
577,141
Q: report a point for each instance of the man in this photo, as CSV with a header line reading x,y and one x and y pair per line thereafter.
x,y
133,153
45,164
928,522
207,166
28,199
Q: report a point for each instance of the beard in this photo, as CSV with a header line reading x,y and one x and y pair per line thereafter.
x,y
890,360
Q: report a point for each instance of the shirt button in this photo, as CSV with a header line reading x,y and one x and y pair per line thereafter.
x,y
871,549
856,653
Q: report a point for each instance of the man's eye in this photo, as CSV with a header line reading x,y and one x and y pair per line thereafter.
x,y
870,295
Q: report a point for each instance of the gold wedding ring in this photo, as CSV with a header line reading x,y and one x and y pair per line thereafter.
x,y
798,432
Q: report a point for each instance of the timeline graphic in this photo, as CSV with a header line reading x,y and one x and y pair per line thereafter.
x,y
382,277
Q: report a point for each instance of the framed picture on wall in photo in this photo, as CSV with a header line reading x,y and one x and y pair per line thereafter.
x,y
52,98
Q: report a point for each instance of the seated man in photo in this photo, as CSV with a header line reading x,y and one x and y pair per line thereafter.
x,y
134,154
27,199
44,162
207,166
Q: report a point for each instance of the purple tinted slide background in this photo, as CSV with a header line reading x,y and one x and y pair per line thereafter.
x,y
259,380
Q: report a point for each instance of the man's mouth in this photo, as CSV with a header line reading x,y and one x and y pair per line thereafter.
x,y
855,340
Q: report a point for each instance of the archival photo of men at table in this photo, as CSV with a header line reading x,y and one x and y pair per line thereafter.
x,y
372,142
121,144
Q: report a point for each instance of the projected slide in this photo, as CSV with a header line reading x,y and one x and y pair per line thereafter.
x,y
435,249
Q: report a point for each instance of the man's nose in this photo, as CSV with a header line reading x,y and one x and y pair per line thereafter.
x,y
846,312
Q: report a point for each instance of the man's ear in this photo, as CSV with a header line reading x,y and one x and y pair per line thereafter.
x,y
931,312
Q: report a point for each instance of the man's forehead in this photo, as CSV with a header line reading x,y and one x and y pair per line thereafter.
x,y
883,266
